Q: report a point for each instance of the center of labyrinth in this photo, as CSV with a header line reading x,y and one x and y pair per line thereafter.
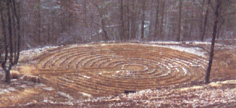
x,y
135,67
110,69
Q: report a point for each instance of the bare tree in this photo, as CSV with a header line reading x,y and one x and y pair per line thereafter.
x,y
216,20
205,21
122,27
143,19
180,18
161,33
11,51
101,11
156,19
39,21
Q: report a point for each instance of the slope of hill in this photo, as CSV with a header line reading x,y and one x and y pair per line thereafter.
x,y
162,74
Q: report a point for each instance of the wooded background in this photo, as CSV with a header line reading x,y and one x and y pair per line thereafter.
x,y
60,22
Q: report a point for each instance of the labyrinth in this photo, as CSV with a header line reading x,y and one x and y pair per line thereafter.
x,y
111,69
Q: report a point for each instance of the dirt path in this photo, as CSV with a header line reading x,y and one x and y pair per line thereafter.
x,y
88,71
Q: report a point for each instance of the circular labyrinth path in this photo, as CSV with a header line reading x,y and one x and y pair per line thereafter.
x,y
110,69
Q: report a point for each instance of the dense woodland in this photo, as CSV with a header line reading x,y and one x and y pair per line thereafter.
x,y
57,22
35,23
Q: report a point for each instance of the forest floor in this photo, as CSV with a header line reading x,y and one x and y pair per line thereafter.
x,y
135,74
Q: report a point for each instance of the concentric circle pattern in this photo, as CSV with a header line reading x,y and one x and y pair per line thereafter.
x,y
109,69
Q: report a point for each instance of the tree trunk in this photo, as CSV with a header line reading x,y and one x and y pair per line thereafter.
x,y
122,21
219,29
5,41
190,29
180,18
128,21
49,30
157,19
10,31
143,19
4,63
7,76
18,43
85,12
216,14
39,22
205,22
162,19
12,53
133,20
105,36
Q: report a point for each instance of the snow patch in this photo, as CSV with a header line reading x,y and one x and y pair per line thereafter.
x,y
7,90
214,84
168,72
228,82
86,94
4,91
191,88
164,42
177,69
86,77
185,71
220,83
40,85
23,86
11,89
48,88
100,31
195,51
31,53
103,44
65,95
174,42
